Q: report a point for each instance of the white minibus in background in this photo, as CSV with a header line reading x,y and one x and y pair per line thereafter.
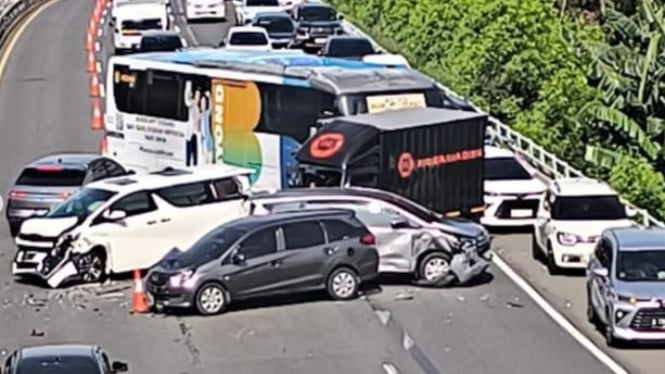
x,y
130,19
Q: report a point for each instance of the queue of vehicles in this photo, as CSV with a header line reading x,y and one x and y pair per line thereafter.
x,y
287,120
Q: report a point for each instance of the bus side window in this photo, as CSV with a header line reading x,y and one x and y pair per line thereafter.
x,y
129,90
163,93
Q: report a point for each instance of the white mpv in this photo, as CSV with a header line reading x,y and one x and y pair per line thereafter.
x,y
571,216
130,222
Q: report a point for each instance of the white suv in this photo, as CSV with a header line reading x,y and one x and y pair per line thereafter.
x,y
512,190
131,222
571,216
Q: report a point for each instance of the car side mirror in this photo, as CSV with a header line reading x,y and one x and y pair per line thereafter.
x,y
400,223
114,215
119,367
601,272
239,259
222,44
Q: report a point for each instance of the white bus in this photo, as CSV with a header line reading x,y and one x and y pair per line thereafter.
x,y
245,108
129,19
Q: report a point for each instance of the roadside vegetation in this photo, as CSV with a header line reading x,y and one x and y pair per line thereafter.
x,y
583,78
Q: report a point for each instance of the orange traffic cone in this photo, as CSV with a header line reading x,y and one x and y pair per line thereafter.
x,y
92,26
97,13
94,86
103,146
89,43
139,299
97,118
92,64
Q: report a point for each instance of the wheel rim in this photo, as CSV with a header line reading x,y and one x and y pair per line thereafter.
x,y
94,268
436,268
211,299
344,284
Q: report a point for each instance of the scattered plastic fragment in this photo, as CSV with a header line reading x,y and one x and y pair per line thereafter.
x,y
403,296
37,333
461,298
568,304
485,297
511,304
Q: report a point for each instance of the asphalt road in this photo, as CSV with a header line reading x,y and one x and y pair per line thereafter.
x,y
487,328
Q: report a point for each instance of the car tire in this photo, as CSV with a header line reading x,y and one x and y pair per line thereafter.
x,y
552,267
14,230
536,253
591,315
210,299
95,264
343,284
435,270
611,340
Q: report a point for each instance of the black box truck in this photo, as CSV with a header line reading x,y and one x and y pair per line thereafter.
x,y
432,156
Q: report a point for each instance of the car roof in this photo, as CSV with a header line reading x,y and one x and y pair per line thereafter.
x,y
235,29
322,192
252,222
168,177
581,187
272,14
315,5
639,238
57,350
66,160
160,33
137,10
348,37
496,152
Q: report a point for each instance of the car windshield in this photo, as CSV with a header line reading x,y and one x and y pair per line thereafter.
x,y
160,43
83,203
641,266
276,25
317,13
63,365
588,208
146,24
505,168
248,38
51,177
350,48
212,246
262,3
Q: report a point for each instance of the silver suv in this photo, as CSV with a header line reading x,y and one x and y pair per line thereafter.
x,y
626,285
410,238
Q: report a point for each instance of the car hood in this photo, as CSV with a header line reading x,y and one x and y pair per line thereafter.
x,y
641,290
47,226
318,24
176,260
253,10
516,187
461,227
587,229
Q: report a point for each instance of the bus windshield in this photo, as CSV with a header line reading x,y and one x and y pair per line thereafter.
x,y
360,103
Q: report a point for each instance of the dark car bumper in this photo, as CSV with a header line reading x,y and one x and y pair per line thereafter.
x,y
162,296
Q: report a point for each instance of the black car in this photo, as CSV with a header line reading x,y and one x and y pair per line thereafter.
x,y
316,22
62,359
263,255
280,27
347,46
160,41
50,180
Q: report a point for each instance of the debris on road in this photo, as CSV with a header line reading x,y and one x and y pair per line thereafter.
x,y
568,304
37,333
403,296
461,298
485,297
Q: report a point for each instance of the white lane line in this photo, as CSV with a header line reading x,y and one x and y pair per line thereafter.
x,y
99,67
102,93
383,316
187,29
100,32
176,28
184,42
98,47
389,368
105,12
558,318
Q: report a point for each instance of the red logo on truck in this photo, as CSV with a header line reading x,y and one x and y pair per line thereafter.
x,y
326,145
405,165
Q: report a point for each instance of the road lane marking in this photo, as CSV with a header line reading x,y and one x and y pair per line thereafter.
x,y
19,31
558,318
99,67
98,46
101,90
186,29
390,368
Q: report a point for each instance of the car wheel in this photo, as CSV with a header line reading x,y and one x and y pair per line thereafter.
x,y
343,284
551,263
536,254
610,339
435,269
211,299
93,266
590,310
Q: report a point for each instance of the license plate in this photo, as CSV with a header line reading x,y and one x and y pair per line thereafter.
x,y
521,213
320,40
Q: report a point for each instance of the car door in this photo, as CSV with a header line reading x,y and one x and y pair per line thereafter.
x,y
140,239
261,271
600,285
305,255
395,244
543,218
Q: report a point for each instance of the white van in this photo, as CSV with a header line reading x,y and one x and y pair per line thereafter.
x,y
131,18
130,222
205,9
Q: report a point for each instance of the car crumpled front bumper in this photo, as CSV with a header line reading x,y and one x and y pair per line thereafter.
x,y
55,267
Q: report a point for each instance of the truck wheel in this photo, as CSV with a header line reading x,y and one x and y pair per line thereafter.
x,y
343,284
435,268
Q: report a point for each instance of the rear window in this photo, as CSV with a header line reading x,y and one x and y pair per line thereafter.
x,y
248,38
350,48
146,24
64,365
160,43
51,177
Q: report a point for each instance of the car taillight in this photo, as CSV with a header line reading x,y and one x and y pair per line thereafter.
x,y
16,195
368,239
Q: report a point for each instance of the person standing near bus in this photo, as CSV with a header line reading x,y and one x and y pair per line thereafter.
x,y
207,141
191,141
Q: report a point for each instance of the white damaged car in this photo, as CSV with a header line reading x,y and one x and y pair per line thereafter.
x,y
127,223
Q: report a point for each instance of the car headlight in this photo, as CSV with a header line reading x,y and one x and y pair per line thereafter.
x,y
567,239
184,279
